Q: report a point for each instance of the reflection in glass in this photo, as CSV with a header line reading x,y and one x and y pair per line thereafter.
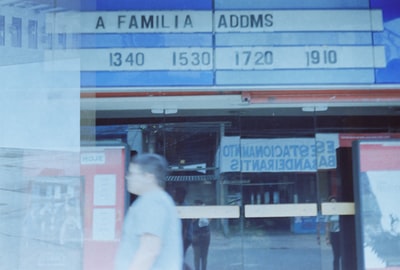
x,y
2,30
32,34
16,32
41,219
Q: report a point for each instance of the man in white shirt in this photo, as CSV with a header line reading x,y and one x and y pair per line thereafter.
x,y
151,236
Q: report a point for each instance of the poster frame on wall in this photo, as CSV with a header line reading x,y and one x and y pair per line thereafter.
x,y
375,164
103,167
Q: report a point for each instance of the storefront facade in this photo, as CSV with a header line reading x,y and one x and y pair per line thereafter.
x,y
261,110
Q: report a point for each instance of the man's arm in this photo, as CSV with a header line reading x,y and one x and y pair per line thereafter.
x,y
149,249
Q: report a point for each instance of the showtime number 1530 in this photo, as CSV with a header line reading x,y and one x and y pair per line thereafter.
x,y
191,58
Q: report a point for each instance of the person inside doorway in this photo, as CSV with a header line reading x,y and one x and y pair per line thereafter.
x,y
201,240
333,236
180,194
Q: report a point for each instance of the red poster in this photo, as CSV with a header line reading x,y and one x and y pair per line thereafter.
x,y
103,169
346,139
378,212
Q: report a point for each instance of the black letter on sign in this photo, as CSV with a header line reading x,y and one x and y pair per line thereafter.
x,y
100,23
121,20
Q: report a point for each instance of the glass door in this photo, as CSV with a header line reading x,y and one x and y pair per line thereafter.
x,y
256,189
280,190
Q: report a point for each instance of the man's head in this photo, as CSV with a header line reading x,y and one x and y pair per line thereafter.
x,y
332,198
180,194
146,172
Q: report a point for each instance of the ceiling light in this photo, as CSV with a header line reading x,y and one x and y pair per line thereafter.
x,y
314,108
164,111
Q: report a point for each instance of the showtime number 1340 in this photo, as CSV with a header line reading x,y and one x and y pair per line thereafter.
x,y
117,59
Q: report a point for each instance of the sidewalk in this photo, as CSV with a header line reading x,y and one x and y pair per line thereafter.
x,y
255,249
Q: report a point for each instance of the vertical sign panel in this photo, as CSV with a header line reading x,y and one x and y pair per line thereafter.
x,y
146,44
390,39
296,43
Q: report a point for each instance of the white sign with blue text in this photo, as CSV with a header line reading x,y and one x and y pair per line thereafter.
x,y
278,155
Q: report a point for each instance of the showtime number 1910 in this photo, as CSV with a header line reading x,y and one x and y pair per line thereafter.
x,y
321,57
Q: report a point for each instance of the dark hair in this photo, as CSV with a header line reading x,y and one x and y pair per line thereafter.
x,y
180,194
198,202
153,164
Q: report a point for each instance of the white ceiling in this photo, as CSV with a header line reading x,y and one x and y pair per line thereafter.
x,y
220,105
